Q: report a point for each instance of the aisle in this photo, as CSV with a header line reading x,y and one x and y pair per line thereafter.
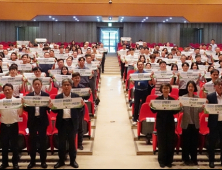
x,y
113,145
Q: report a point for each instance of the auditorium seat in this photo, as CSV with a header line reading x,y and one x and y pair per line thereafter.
x,y
204,130
53,91
2,96
87,122
144,127
53,96
23,138
179,132
151,97
154,138
175,92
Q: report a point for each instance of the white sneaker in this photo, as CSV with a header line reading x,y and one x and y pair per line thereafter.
x,y
134,123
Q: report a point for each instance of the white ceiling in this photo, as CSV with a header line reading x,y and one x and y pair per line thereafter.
x,y
106,19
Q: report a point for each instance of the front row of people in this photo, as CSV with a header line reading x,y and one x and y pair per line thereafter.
x,y
67,123
190,125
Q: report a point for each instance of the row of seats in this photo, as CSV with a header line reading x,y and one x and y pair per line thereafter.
x,y
150,45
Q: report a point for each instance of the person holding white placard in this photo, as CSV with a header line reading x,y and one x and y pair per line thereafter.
x,y
9,130
46,67
1,66
37,124
13,72
215,123
213,44
67,125
142,90
214,76
76,80
190,127
38,74
165,126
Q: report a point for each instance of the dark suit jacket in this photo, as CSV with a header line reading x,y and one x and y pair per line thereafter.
x,y
213,119
74,113
164,118
43,113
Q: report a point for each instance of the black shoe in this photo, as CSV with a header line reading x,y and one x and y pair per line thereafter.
x,y
169,165
58,165
80,148
74,164
162,166
15,166
211,165
44,165
31,165
4,166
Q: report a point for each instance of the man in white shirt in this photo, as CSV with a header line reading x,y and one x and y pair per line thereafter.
x,y
214,46
9,130
67,124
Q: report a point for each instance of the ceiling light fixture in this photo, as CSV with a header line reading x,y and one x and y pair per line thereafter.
x,y
164,21
110,18
171,18
34,19
167,20
53,18
56,20
50,16
185,21
147,17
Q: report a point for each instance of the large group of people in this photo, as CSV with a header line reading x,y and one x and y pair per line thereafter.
x,y
196,73
35,70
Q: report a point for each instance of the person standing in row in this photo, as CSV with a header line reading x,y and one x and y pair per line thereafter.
x,y
165,126
9,130
215,123
141,91
37,124
67,123
190,127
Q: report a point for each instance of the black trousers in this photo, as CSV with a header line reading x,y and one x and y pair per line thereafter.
x,y
80,130
139,95
37,127
67,131
92,84
166,144
215,134
190,137
122,69
9,134
103,62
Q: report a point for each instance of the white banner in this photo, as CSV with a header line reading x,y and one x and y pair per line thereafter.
x,y
99,56
213,109
189,75
140,76
6,104
165,104
45,80
209,88
61,56
36,101
60,78
82,92
163,74
11,80
192,102
84,72
123,52
46,61
126,38
25,67
67,103
54,72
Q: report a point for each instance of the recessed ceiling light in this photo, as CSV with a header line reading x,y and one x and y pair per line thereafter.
x,y
74,17
122,17
53,18
50,16
164,21
185,21
56,20
147,17
34,19
167,20
171,18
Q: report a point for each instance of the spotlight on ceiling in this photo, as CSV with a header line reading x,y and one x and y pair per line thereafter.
x,y
50,16
171,18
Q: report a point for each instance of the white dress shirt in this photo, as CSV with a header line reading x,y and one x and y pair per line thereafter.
x,y
214,46
67,112
9,116
37,109
219,99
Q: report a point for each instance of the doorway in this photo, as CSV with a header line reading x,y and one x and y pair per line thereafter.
x,y
110,38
